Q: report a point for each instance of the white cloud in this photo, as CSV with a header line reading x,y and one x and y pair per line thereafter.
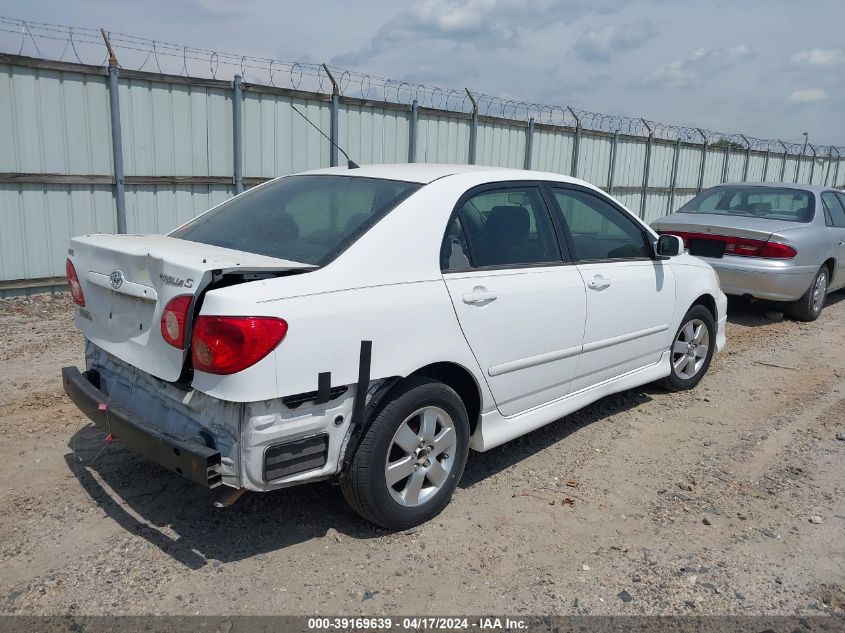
x,y
808,95
598,44
819,57
697,67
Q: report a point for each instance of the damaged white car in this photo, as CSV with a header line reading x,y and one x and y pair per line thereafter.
x,y
372,325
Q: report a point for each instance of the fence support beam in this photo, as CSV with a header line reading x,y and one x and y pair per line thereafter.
x,y
611,170
783,160
647,168
529,143
412,131
836,170
829,163
116,140
576,145
727,161
703,160
766,166
675,160
473,128
237,134
747,158
798,163
813,165
334,115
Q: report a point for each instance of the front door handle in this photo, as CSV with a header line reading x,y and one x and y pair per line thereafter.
x,y
598,283
479,296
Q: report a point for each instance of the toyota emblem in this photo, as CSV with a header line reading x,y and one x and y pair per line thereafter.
x,y
116,279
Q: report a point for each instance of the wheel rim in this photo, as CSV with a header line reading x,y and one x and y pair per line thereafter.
x,y
421,456
689,352
819,291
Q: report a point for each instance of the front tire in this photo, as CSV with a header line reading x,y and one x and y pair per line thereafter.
x,y
692,350
411,457
809,306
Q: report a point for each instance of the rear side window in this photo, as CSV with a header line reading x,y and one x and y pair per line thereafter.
x,y
307,219
770,203
833,204
501,227
599,230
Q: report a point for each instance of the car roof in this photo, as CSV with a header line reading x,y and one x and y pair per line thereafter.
x,y
425,173
779,185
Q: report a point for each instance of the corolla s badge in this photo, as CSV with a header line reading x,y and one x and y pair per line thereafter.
x,y
116,279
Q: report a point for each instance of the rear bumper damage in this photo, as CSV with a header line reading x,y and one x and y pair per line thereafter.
x,y
192,460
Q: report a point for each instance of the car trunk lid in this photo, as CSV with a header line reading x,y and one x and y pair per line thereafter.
x,y
127,280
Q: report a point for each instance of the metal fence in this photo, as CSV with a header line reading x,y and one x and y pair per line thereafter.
x,y
106,132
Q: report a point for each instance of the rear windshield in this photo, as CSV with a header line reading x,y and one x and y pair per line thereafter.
x,y
770,203
306,219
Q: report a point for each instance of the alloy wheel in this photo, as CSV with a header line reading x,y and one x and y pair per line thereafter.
x,y
689,352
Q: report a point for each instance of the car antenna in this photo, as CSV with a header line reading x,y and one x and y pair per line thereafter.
x,y
351,164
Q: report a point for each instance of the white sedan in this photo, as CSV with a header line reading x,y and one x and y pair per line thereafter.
x,y
372,325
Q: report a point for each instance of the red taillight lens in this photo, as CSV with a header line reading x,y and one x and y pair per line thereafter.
x,y
73,283
174,320
226,345
776,250
742,246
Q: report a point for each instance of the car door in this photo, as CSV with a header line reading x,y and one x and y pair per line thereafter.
x,y
519,301
630,294
834,207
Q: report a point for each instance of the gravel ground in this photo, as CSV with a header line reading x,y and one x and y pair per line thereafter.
x,y
726,499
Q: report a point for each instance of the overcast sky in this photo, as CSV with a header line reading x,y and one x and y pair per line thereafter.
x,y
768,68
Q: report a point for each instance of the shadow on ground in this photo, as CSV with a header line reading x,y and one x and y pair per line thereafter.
x,y
750,313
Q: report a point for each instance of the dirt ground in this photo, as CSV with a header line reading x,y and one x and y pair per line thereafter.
x,y
726,499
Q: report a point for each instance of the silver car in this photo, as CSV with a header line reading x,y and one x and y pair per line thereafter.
x,y
773,241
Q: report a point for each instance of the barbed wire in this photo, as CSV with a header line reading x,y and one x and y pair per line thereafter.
x,y
85,46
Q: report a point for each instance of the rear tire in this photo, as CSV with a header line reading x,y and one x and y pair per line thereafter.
x,y
411,457
811,303
691,350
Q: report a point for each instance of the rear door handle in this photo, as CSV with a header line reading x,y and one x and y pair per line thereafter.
x,y
598,283
479,296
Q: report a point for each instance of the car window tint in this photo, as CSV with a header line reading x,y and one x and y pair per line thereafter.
x,y
509,226
834,203
299,218
454,254
599,230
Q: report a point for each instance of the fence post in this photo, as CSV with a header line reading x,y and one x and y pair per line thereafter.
x,y
412,132
836,170
647,168
829,161
798,163
334,114
747,158
675,161
116,140
237,134
529,143
727,161
703,161
783,160
611,170
812,165
473,128
766,166
576,145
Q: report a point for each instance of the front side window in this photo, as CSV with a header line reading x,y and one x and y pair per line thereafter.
x,y
501,227
599,230
306,219
770,203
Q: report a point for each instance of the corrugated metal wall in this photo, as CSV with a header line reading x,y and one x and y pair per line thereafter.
x,y
56,158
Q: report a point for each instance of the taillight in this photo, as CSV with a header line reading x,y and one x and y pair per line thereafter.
x,y
741,246
776,250
226,345
174,320
73,283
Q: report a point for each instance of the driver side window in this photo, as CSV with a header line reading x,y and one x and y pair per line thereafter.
x,y
599,231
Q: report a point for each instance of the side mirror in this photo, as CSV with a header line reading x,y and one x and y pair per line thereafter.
x,y
669,245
